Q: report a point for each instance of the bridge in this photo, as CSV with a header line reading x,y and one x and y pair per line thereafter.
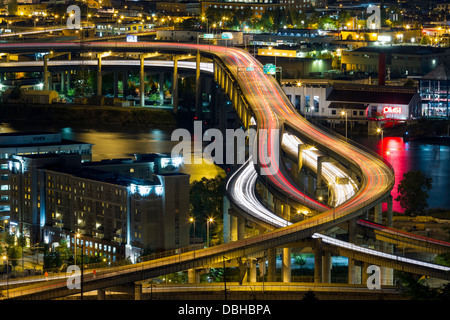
x,y
260,103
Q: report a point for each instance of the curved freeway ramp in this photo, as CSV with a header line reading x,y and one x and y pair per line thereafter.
x,y
273,113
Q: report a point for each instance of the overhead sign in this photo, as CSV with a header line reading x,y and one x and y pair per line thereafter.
x,y
270,69
131,38
208,36
392,110
227,35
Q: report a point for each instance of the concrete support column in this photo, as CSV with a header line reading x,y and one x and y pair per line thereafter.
x,y
193,276
318,252
234,228
276,205
271,264
137,292
286,266
252,275
198,92
287,212
101,294
270,202
351,271
326,267
262,267
62,82
390,219
226,220
378,217
241,227
99,75
364,273
175,85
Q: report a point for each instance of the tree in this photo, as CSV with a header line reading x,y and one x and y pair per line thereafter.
x,y
299,260
14,253
413,192
206,200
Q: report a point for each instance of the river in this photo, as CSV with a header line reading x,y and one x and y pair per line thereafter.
x,y
433,160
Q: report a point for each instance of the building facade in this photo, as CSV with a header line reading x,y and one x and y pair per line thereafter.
x,y
434,91
357,101
400,61
29,144
123,213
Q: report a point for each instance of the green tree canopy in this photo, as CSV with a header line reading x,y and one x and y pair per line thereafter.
x,y
413,192
206,197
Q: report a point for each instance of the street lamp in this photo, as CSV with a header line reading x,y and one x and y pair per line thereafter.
x,y
208,222
224,277
379,130
75,245
343,113
192,220
7,276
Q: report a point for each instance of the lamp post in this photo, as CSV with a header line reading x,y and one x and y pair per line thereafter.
x,y
192,220
343,113
379,130
208,222
7,276
75,246
82,265
224,277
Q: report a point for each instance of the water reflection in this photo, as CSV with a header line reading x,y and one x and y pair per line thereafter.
x,y
433,160
123,144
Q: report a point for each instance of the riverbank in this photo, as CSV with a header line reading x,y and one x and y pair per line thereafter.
x,y
103,116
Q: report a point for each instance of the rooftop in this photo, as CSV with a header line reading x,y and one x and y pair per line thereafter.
x,y
371,94
398,49
441,72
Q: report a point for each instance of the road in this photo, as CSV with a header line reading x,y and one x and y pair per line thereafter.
x,y
273,111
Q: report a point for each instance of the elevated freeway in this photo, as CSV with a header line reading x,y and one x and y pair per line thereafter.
x,y
262,99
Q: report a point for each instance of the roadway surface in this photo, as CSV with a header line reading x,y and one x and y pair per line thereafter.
x,y
273,112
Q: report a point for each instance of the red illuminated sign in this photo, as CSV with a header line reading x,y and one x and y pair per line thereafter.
x,y
392,110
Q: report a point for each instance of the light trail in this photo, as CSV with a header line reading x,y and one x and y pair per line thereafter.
x,y
341,192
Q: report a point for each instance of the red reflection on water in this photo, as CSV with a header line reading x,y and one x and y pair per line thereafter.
x,y
394,150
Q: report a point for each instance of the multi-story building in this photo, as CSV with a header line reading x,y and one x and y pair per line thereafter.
x,y
188,8
257,7
33,143
56,197
400,61
435,92
357,101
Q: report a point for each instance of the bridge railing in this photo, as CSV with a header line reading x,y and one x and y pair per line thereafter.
x,y
213,254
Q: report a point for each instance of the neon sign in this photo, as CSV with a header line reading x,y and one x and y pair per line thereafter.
x,y
392,110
